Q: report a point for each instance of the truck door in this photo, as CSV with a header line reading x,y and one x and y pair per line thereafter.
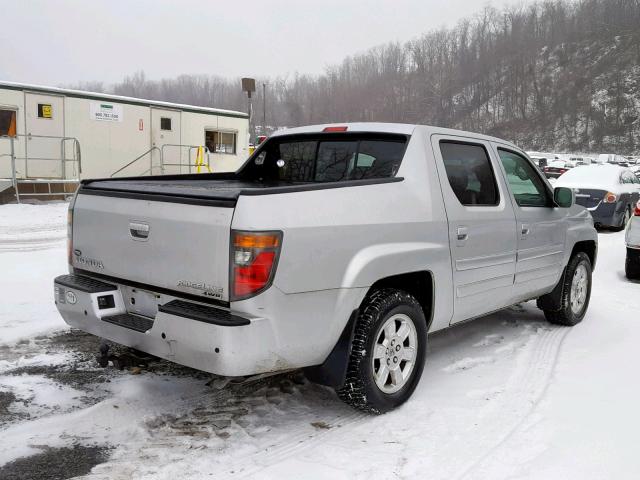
x,y
165,131
44,117
541,227
481,222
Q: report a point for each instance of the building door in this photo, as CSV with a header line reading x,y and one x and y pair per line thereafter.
x,y
44,126
165,134
482,225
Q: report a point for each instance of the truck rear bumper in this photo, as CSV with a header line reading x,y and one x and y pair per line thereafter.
x,y
192,334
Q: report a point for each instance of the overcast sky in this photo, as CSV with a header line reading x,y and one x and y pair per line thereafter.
x,y
66,41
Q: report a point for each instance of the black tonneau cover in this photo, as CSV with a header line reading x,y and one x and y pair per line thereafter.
x,y
219,188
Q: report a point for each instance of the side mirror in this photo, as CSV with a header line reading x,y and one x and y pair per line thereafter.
x,y
564,197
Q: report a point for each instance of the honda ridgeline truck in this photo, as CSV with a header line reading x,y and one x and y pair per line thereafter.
x,y
334,248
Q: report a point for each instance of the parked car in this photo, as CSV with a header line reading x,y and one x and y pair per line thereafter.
x,y
581,160
632,239
334,248
556,168
609,192
610,158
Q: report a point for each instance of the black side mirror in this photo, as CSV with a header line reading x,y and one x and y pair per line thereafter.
x,y
564,197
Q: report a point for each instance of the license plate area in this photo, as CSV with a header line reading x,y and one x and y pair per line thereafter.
x,y
141,302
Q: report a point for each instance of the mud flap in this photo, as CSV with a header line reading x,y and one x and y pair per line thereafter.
x,y
333,370
552,301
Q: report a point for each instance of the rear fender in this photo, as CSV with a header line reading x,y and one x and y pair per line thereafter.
x,y
384,260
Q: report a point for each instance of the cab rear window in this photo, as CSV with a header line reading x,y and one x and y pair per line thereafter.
x,y
326,158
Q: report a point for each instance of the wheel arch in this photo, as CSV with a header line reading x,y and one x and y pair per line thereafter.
x,y
590,247
420,284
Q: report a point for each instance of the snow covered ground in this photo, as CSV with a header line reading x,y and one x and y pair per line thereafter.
x,y
506,396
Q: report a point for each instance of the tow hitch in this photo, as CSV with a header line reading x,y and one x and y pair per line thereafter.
x,y
122,360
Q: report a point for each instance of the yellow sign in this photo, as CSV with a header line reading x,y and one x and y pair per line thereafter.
x,y
45,110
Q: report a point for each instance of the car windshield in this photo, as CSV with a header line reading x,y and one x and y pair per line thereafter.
x,y
326,158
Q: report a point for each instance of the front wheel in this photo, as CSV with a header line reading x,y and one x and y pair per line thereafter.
x,y
388,352
576,292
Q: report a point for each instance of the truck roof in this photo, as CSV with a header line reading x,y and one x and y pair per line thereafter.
x,y
381,127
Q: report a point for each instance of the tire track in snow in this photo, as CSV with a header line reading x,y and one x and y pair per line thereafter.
x,y
497,423
524,391
30,238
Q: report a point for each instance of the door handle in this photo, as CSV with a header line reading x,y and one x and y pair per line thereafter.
x,y
139,231
525,229
462,234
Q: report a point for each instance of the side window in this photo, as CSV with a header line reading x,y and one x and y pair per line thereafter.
x,y
527,186
470,174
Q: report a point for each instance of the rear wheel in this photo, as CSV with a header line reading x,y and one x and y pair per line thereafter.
x,y
388,352
632,264
576,292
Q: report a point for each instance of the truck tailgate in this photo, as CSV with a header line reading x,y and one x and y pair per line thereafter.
x,y
177,246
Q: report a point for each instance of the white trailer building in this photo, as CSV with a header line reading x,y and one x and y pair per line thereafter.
x,y
50,138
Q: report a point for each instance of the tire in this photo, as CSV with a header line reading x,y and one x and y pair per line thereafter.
x,y
394,309
572,314
632,264
625,220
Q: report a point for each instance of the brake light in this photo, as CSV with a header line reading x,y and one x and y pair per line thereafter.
x,y
335,129
636,212
610,197
562,170
254,257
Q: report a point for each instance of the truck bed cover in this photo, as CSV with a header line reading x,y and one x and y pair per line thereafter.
x,y
206,187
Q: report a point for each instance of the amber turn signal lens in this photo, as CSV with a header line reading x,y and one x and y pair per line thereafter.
x,y
249,240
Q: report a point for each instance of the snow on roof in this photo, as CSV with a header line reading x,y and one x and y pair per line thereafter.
x,y
605,176
119,98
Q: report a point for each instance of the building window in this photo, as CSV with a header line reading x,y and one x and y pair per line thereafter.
x,y
221,142
165,123
7,123
45,110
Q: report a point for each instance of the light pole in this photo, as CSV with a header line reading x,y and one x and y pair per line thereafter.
x,y
264,109
249,86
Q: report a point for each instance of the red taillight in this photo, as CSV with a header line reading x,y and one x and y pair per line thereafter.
x,y
335,129
562,170
636,212
610,197
254,256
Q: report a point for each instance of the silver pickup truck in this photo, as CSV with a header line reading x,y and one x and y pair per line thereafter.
x,y
334,248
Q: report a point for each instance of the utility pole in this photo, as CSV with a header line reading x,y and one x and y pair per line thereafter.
x,y
249,86
264,109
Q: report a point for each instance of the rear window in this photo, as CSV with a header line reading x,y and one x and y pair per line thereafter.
x,y
326,158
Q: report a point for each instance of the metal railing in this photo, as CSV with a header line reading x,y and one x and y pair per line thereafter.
x,y
18,177
140,157
162,155
189,148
